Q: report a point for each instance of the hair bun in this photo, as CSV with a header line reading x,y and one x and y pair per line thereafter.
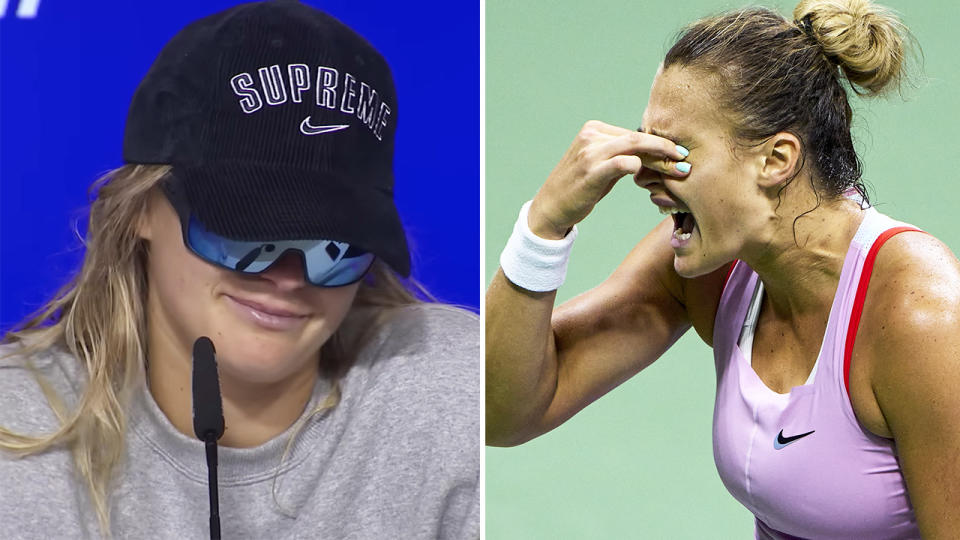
x,y
867,40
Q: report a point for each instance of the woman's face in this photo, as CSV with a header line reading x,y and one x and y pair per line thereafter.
x,y
729,209
189,298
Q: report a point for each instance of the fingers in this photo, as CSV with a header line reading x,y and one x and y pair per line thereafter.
x,y
656,153
635,142
606,128
678,169
598,157
619,166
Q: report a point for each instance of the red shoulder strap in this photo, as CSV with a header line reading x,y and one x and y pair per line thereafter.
x,y
861,296
727,278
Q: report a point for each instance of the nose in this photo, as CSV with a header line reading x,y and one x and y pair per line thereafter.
x,y
287,272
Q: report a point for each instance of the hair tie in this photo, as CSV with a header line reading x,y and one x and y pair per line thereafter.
x,y
806,27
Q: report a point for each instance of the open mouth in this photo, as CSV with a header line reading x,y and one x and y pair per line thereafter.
x,y
683,221
683,225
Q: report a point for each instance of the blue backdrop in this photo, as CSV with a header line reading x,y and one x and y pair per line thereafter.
x,y
68,69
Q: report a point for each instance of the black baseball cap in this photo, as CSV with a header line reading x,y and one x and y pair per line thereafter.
x,y
278,121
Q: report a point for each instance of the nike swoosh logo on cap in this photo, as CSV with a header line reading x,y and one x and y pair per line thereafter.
x,y
308,129
780,441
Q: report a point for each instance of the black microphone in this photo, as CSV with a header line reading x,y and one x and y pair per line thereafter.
x,y
208,422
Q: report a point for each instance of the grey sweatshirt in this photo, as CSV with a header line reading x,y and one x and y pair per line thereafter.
x,y
399,457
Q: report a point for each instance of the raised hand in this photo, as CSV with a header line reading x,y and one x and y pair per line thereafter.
x,y
600,155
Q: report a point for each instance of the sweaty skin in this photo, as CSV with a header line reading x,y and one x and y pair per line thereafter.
x,y
546,364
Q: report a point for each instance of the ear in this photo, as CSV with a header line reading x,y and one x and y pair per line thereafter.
x,y
780,158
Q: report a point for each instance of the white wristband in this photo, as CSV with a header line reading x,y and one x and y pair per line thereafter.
x,y
535,263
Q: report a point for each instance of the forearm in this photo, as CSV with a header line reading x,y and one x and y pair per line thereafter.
x,y
524,379
521,361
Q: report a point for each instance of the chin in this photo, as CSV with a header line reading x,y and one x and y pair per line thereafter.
x,y
693,265
259,356
692,260
260,365
685,270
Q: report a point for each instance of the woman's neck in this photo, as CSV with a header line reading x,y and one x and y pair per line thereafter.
x,y
800,265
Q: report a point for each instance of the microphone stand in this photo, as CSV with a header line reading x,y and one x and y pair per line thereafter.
x,y
208,424
211,444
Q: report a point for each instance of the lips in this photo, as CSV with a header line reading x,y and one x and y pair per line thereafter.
x,y
669,204
275,310
684,223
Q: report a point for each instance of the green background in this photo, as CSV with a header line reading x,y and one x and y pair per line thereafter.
x,y
638,463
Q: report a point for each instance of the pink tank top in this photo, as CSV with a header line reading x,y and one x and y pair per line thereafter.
x,y
801,462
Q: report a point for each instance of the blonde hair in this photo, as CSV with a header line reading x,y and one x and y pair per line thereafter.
x,y
98,316
867,40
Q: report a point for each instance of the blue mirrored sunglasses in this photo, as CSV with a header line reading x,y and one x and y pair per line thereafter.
x,y
327,263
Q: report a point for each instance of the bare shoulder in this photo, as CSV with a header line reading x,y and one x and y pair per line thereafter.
x,y
916,282
912,312
911,323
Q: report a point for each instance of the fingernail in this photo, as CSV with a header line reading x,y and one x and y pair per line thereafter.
x,y
683,151
683,167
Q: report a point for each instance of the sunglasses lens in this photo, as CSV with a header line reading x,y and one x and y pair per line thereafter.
x,y
328,263
336,263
